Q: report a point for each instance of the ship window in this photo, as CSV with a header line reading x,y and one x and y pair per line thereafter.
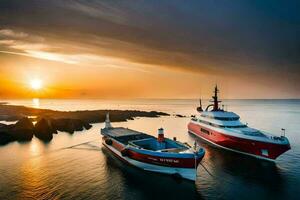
x,y
221,126
218,126
264,152
204,131
239,126
226,118
222,118
194,119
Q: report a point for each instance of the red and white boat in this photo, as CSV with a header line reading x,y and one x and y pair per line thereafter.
x,y
224,129
146,152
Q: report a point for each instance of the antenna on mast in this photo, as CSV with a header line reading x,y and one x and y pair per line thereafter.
x,y
215,99
199,109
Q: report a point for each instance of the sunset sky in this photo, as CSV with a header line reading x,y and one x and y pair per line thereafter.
x,y
149,48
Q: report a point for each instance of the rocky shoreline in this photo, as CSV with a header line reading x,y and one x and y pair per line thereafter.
x,y
43,123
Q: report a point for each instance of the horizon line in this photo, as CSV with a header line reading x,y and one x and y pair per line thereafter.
x,y
128,99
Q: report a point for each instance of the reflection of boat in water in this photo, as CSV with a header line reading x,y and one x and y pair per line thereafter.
x,y
224,129
130,178
144,151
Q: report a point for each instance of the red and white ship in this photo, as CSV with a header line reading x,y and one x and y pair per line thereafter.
x,y
146,152
224,129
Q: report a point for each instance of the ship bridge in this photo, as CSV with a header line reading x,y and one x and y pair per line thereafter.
x,y
220,115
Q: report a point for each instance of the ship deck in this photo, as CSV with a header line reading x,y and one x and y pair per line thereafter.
x,y
124,135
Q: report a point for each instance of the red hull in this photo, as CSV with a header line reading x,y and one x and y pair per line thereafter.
x,y
167,162
155,160
241,145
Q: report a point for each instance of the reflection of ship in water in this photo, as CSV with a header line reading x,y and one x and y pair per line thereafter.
x,y
227,170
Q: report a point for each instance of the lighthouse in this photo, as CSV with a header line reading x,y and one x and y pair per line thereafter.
x,y
107,121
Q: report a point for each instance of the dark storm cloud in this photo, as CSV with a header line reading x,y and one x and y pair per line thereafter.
x,y
209,36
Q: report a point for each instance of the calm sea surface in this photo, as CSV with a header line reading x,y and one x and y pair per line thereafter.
x,y
77,167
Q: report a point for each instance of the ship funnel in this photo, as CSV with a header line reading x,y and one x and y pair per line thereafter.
x,y
107,121
161,136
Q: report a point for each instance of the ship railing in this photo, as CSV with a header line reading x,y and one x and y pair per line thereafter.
x,y
273,137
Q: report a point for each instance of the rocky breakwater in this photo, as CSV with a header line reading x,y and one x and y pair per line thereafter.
x,y
49,122
24,129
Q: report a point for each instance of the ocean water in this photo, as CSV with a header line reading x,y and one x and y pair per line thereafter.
x,y
77,167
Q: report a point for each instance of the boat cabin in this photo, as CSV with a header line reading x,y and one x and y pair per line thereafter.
x,y
154,145
143,141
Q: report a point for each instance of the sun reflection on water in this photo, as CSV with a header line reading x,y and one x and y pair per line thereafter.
x,y
33,177
36,102
35,148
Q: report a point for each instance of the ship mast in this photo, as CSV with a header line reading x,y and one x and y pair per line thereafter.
x,y
199,109
215,99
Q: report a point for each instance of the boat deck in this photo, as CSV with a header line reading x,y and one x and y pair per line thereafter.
x,y
124,135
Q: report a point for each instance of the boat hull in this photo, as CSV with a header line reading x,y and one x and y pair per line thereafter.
x,y
152,164
258,149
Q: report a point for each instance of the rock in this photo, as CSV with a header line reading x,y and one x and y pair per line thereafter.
x,y
44,130
23,130
51,121
77,124
2,125
63,125
87,126
14,113
70,125
10,118
5,138
24,123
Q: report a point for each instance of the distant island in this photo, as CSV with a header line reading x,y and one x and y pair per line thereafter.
x,y
43,123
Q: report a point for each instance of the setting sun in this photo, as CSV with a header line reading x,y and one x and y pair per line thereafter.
x,y
36,84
